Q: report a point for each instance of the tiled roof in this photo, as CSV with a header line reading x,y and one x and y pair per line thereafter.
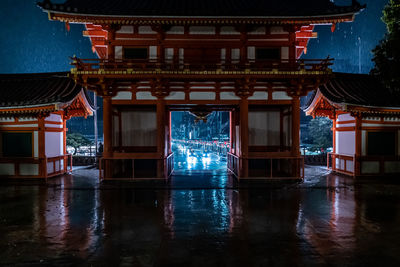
x,y
201,8
358,90
17,90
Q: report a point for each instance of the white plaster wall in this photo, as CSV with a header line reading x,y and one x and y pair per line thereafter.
x,y
54,144
264,128
345,125
228,30
345,143
392,167
50,167
153,52
21,126
363,143
139,128
284,52
7,169
277,30
7,120
398,143
345,117
349,166
202,30
145,96
259,30
146,30
251,52
258,95
118,52
54,117
228,96
369,167
176,30
176,95
35,144
235,54
169,53
28,169
280,95
202,95
123,95
125,29
27,119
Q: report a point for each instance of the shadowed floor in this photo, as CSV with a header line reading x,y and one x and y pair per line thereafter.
x,y
204,220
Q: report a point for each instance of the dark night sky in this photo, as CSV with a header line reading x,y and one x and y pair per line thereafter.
x,y
31,43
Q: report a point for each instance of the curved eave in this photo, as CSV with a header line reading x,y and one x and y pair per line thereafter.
x,y
181,20
372,110
31,110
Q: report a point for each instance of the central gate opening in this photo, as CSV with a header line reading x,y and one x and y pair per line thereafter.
x,y
200,140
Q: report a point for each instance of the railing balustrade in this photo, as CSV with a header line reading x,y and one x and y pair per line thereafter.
x,y
204,65
38,167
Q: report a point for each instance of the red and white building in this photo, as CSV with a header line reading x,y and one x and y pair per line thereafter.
x,y
366,124
34,109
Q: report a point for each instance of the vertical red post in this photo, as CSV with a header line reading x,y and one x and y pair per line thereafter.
x,y
42,147
160,137
357,163
296,127
244,136
107,131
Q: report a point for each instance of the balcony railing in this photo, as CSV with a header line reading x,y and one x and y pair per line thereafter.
x,y
36,167
205,65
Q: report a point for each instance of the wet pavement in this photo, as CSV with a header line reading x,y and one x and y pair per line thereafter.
x,y
203,220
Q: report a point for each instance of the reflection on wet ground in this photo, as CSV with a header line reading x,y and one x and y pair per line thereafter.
x,y
327,220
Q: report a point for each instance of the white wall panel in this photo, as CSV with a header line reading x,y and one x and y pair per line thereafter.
x,y
345,143
7,169
53,147
28,169
123,95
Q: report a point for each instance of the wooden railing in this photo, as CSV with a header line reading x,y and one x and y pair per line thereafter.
x,y
204,65
343,163
270,167
38,167
56,168
233,164
130,168
282,167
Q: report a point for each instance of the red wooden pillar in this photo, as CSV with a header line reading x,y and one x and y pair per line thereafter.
x,y
161,119
107,134
110,46
357,163
65,143
296,126
333,144
244,136
42,147
107,126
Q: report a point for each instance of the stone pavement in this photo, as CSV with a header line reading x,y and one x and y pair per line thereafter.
x,y
202,220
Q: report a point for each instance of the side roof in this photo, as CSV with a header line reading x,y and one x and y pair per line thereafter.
x,y
28,90
357,93
359,90
201,8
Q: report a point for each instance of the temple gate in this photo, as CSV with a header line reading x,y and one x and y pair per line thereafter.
x,y
241,56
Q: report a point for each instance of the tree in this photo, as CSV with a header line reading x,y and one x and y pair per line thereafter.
x,y
320,132
76,140
387,52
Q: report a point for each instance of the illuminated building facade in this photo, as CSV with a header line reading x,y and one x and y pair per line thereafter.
x,y
156,57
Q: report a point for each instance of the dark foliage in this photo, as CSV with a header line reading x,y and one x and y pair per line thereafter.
x,y
387,53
